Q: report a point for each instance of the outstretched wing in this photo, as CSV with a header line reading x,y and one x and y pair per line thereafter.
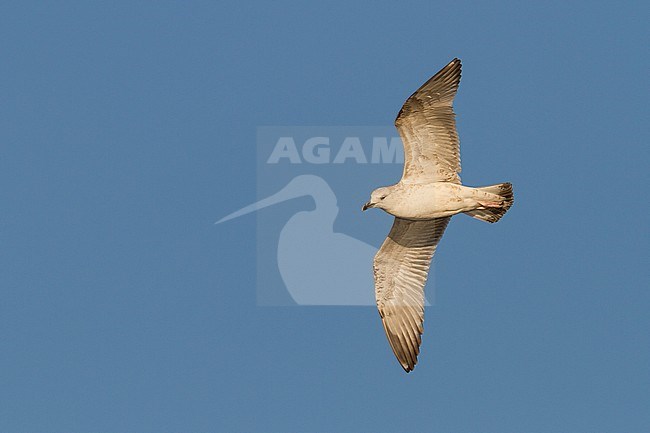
x,y
427,126
401,267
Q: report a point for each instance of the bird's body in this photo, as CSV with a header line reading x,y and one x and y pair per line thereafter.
x,y
435,200
423,202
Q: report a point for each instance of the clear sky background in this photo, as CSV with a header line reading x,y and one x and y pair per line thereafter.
x,y
128,128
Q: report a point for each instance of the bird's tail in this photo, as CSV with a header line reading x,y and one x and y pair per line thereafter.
x,y
500,198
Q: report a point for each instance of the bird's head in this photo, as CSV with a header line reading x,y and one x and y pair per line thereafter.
x,y
378,198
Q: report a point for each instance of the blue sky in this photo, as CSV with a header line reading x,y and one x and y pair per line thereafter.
x,y
128,128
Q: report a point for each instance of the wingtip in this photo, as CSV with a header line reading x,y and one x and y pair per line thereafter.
x,y
456,64
408,368
408,365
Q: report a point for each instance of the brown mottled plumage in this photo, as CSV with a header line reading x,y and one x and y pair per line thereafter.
x,y
423,202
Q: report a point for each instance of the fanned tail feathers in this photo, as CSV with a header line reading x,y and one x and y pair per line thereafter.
x,y
493,213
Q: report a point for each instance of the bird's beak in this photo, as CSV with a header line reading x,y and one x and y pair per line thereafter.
x,y
367,206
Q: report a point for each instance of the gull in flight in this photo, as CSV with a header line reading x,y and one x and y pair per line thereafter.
x,y
423,202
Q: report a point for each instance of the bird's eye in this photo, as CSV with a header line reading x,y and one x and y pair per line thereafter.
x,y
382,197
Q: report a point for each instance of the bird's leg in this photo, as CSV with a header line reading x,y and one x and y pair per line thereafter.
x,y
485,204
